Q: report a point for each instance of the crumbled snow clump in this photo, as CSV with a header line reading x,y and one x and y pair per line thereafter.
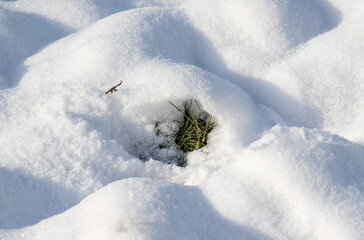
x,y
282,78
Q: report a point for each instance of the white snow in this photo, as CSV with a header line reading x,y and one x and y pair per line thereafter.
x,y
282,78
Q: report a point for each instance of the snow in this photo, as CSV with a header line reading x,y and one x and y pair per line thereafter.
x,y
283,79
300,184
115,213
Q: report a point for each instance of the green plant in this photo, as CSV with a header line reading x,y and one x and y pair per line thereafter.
x,y
194,128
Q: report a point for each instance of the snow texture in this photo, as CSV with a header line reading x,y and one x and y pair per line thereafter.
x,y
283,79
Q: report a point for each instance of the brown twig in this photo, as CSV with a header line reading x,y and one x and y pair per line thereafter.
x,y
113,89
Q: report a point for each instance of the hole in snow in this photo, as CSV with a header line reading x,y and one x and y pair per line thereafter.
x,y
158,144
151,132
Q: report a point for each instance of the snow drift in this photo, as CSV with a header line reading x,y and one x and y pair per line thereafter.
x,y
281,78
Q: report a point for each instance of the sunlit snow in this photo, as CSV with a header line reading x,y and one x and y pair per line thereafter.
x,y
284,80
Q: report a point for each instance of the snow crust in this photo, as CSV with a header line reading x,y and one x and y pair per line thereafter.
x,y
283,79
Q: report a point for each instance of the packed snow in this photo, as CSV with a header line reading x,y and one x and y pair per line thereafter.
x,y
283,79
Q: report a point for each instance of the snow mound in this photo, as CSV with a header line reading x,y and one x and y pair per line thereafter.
x,y
300,184
311,191
75,15
69,132
141,209
69,108
327,75
249,36
76,163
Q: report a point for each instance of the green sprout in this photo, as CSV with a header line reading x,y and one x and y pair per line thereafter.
x,y
194,128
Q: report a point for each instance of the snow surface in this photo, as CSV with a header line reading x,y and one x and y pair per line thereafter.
x,y
282,78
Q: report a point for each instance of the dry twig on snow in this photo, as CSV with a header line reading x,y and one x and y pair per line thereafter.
x,y
113,89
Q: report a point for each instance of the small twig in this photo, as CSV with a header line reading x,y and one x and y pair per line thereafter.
x,y
113,89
